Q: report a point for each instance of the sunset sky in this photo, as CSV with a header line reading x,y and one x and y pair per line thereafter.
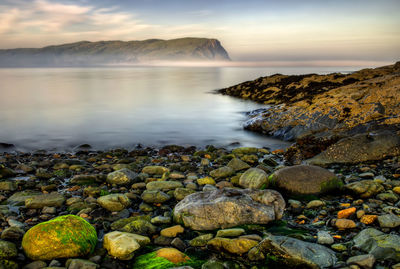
x,y
254,30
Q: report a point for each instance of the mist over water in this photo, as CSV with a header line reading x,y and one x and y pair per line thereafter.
x,y
61,108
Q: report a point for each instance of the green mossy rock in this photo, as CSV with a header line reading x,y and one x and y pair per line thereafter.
x,y
62,237
165,258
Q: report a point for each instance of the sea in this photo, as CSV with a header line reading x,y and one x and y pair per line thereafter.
x,y
58,109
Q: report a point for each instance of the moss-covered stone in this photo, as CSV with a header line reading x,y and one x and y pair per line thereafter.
x,y
165,258
62,237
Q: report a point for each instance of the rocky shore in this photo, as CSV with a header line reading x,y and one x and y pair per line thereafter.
x,y
179,207
329,114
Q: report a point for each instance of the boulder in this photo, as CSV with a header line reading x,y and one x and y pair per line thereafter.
x,y
225,208
294,253
360,148
254,178
305,180
382,246
62,237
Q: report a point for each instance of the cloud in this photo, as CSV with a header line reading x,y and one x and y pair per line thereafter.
x,y
41,22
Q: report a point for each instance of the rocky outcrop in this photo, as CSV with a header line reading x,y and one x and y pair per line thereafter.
x,y
87,53
325,107
209,210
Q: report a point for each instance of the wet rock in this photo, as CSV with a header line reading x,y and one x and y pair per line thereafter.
x,y
139,226
342,224
85,179
155,170
228,208
121,177
163,185
233,232
324,238
80,264
8,250
360,148
162,258
8,186
201,240
63,237
205,181
114,202
254,178
222,172
181,193
238,165
235,246
315,204
294,252
12,233
155,196
389,221
39,201
305,179
19,198
122,245
172,231
364,261
365,188
244,150
6,172
382,246
35,265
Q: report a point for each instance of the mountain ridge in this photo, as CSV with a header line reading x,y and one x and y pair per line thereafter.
x,y
116,51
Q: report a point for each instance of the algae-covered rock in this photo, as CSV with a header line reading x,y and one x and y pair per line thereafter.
x,y
165,258
254,178
8,250
114,202
234,246
225,208
62,237
222,172
121,177
163,185
365,188
305,180
155,170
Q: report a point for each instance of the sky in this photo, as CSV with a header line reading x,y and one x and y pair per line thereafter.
x,y
251,30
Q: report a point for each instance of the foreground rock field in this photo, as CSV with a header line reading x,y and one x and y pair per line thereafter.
x,y
196,208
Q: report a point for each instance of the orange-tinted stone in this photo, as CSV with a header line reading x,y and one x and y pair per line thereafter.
x,y
345,224
345,213
344,204
173,255
368,219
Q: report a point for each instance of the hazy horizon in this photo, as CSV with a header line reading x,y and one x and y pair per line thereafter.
x,y
323,32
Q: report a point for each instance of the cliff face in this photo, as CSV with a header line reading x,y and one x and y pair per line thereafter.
x,y
114,52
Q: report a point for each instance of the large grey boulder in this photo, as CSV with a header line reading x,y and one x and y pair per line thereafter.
x,y
382,246
305,179
360,148
228,207
294,253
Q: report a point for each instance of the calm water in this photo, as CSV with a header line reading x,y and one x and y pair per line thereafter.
x,y
58,109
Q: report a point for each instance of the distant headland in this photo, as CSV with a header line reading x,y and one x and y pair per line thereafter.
x,y
85,53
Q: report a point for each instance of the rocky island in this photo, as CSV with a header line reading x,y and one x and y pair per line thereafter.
x,y
87,53
188,207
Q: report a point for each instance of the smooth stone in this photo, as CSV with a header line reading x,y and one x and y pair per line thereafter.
x,y
67,236
172,231
163,185
114,202
294,252
161,220
382,246
39,201
155,197
84,179
233,232
245,150
315,204
139,226
12,233
305,180
206,180
201,240
365,188
123,176
35,265
155,170
181,193
8,186
254,178
389,221
235,246
80,264
222,172
238,165
19,198
366,261
228,207
122,245
324,238
342,224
